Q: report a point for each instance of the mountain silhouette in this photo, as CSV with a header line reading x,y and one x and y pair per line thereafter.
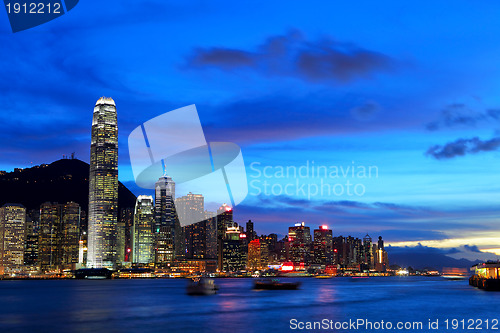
x,y
424,257
61,181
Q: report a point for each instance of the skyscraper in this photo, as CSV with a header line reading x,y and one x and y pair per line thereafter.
x,y
250,232
367,256
233,250
103,186
31,244
224,220
300,240
127,220
254,255
323,246
191,207
58,236
165,220
12,237
142,231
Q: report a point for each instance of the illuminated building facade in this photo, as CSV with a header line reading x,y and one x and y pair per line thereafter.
x,y
191,207
211,232
166,222
381,258
299,237
103,187
58,236
31,243
224,220
199,239
323,246
142,230
12,238
127,221
233,252
254,255
367,253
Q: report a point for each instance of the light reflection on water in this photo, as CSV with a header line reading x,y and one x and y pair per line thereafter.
x,y
162,306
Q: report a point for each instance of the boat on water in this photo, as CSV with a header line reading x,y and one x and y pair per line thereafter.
x,y
275,284
201,287
487,276
93,273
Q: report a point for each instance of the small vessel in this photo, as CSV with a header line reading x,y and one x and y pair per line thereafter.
x,y
487,276
201,286
275,284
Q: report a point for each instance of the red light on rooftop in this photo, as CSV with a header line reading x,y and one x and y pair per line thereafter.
x,y
324,227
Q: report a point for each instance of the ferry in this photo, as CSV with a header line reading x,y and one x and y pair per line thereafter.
x,y
487,276
275,284
201,287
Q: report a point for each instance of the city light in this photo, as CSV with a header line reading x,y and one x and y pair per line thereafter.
x,y
287,267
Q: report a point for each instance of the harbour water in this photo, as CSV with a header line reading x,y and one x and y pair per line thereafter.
x,y
161,305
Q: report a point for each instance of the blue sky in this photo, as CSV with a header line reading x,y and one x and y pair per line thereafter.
x,y
411,88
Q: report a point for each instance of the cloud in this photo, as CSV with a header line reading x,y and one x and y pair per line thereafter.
x,y
461,147
459,114
366,111
281,117
471,248
292,55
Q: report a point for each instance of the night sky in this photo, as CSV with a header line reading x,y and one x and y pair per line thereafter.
x,y
411,88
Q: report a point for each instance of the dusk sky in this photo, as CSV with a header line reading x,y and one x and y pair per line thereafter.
x,y
410,89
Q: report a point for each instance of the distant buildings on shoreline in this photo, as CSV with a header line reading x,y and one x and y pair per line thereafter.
x,y
60,237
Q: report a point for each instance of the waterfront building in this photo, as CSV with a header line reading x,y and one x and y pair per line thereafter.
x,y
323,246
166,226
127,222
367,254
103,187
254,255
233,250
58,236
299,237
142,231
12,238
31,242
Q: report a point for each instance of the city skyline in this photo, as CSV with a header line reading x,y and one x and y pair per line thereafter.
x,y
415,100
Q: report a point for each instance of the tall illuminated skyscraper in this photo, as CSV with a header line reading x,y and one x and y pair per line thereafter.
x,y
165,220
103,186
142,230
